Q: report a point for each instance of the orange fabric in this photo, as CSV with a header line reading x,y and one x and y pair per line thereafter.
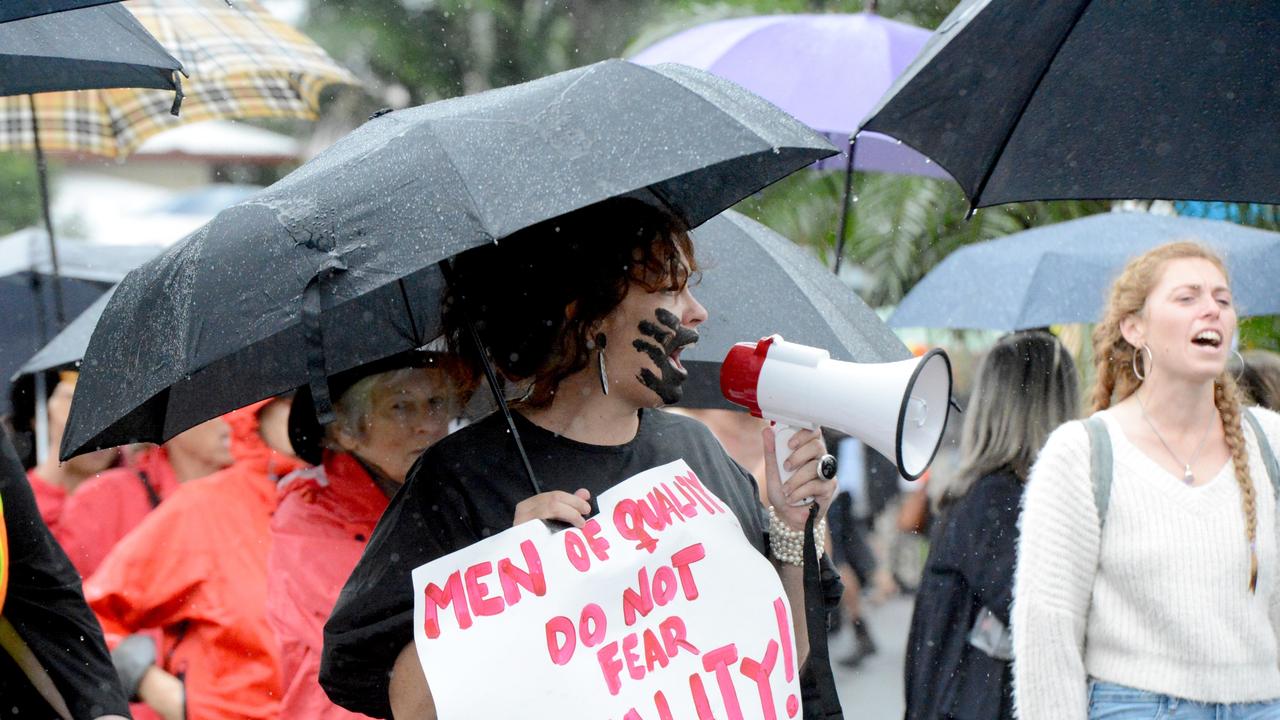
x,y
50,499
320,528
106,507
196,567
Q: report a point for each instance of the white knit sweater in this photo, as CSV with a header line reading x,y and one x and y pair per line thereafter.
x,y
1162,602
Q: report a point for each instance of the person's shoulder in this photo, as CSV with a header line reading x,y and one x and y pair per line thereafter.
x,y
1071,437
670,425
1270,422
995,486
1066,453
487,429
108,482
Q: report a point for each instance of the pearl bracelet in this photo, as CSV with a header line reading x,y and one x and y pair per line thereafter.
x,y
787,545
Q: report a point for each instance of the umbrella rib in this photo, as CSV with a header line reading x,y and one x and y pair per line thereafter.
x,y
990,168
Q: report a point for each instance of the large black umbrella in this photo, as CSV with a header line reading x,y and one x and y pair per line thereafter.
x,y
336,265
1082,99
757,283
18,9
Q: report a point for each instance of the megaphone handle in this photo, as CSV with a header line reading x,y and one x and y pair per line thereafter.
x,y
782,434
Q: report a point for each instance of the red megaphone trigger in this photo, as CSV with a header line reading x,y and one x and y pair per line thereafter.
x,y
740,373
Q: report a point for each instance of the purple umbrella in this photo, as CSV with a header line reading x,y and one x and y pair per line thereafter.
x,y
827,70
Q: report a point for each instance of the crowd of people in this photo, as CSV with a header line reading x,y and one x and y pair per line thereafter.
x,y
1122,566
257,565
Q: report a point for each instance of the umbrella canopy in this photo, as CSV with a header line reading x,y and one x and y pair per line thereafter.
x,y
18,9
758,283
242,63
348,244
26,293
96,47
68,346
827,70
1060,273
1081,99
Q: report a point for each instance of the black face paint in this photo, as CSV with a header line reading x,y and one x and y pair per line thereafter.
x,y
669,335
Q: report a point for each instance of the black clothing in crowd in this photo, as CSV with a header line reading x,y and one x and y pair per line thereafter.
x,y
46,607
970,566
466,488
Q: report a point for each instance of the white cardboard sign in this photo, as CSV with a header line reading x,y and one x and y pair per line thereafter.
x,y
658,609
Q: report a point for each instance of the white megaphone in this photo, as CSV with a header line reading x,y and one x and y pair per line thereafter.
x,y
897,408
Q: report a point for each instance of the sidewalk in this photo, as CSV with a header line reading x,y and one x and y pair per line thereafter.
x,y
874,690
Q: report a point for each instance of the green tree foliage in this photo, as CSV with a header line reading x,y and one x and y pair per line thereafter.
x,y
19,192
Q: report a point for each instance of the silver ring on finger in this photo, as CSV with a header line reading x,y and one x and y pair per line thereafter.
x,y
827,467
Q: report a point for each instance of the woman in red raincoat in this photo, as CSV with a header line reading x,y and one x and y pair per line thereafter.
x,y
104,509
387,413
53,482
197,568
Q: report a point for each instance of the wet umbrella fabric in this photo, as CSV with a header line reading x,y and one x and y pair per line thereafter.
x,y
1060,273
96,47
1082,99
68,346
356,234
756,283
19,9
26,293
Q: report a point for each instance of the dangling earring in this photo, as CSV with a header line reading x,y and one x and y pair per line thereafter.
x,y
1146,364
1240,357
601,341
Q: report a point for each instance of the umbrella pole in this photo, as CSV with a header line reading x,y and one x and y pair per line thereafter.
x,y
42,171
847,204
42,417
496,388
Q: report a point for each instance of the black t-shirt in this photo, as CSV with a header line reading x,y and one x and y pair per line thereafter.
x,y
464,489
46,607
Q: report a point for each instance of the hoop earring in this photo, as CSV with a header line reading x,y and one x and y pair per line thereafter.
x,y
601,341
1239,357
1146,365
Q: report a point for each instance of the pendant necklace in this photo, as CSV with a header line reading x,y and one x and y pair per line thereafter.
x,y
1187,476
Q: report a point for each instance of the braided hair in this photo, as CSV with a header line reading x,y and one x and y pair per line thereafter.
x,y
1115,360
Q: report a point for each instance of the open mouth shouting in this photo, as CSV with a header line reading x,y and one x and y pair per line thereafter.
x,y
1211,339
669,339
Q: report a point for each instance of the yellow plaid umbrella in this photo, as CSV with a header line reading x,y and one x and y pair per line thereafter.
x,y
241,63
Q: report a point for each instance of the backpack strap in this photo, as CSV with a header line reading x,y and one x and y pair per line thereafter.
x,y
1100,465
1264,447
153,497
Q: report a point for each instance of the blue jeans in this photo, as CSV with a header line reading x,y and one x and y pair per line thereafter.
x,y
1108,701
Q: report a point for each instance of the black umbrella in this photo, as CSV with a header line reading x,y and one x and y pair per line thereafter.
x,y
26,269
756,283
18,9
90,48
79,49
67,347
1080,99
336,265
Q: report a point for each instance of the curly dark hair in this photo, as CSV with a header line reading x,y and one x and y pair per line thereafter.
x,y
536,296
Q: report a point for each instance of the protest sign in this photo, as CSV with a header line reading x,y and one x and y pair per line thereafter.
x,y
658,609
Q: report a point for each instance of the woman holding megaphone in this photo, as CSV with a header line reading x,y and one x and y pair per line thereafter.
x,y
1146,580
586,315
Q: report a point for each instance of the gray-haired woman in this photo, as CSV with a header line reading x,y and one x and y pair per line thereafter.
x,y
957,660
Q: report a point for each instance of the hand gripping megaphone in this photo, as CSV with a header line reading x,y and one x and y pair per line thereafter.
x,y
898,408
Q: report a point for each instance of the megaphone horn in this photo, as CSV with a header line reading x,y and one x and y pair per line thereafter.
x,y
899,409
